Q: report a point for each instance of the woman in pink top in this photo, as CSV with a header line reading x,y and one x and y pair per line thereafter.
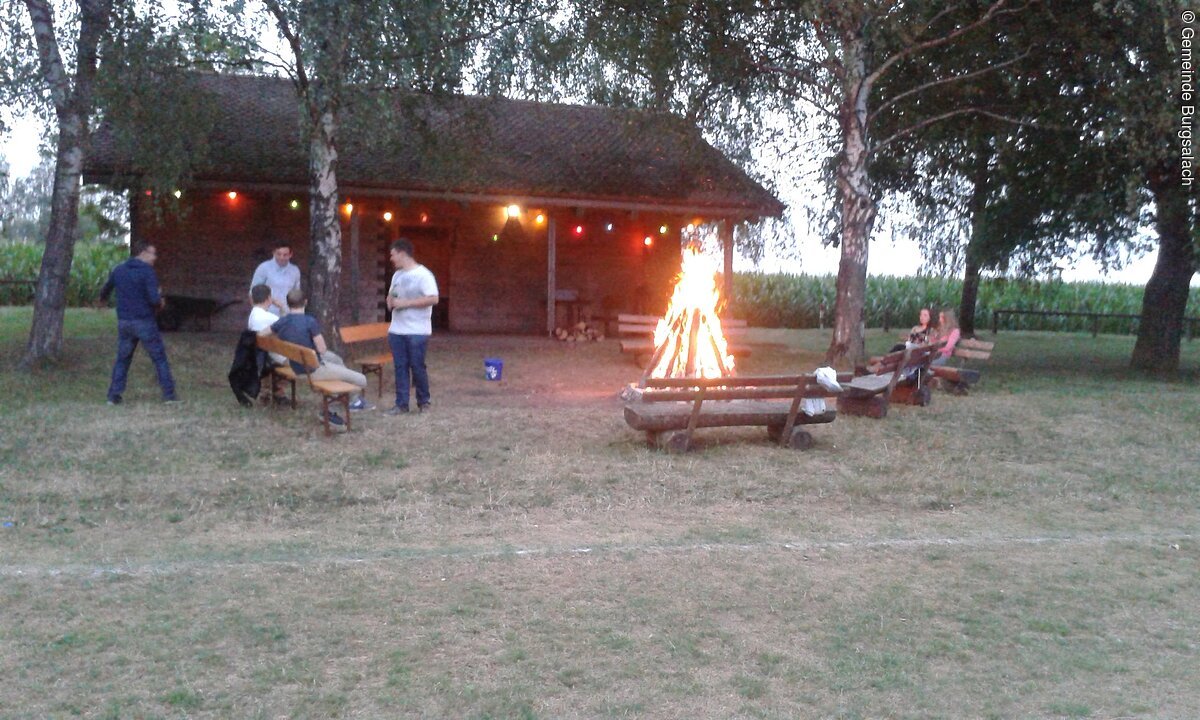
x,y
947,330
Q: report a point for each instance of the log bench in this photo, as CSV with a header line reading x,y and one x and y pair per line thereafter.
x,y
669,410
371,363
900,376
958,380
331,391
637,334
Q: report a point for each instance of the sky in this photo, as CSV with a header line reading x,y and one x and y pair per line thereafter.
x,y
888,256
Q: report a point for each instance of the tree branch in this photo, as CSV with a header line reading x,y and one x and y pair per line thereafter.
x,y
994,10
293,41
41,15
955,113
944,81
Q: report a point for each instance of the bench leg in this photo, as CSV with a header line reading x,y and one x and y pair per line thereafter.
x,y
673,441
376,370
875,406
799,439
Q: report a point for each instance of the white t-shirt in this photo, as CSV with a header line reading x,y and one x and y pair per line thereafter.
x,y
410,285
281,280
261,320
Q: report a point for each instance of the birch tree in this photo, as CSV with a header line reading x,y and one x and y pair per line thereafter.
x,y
68,80
839,58
808,59
337,52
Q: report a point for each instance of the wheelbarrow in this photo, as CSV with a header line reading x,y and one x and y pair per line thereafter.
x,y
180,308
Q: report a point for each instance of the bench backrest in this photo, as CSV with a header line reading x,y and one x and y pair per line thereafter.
x,y
307,357
917,356
359,333
645,324
768,387
973,349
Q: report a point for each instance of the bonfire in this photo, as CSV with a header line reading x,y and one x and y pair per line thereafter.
x,y
688,342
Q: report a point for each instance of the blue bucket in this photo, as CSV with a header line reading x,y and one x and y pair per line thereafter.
x,y
493,368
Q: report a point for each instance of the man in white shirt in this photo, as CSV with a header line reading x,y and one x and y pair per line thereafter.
x,y
262,319
411,298
280,275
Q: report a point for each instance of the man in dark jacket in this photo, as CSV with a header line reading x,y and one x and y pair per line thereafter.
x,y
138,298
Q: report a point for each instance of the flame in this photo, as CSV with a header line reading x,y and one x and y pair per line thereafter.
x,y
688,341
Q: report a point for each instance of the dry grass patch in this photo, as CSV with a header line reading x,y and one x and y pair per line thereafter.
x,y
519,552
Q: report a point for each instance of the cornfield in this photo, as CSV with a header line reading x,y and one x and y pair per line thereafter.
x,y
89,270
806,301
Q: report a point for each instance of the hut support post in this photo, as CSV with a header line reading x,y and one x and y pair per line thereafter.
x,y
355,229
551,281
726,231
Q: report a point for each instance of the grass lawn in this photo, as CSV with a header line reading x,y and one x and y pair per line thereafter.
x,y
1031,550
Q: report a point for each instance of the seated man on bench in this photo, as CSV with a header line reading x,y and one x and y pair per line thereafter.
x,y
301,329
261,319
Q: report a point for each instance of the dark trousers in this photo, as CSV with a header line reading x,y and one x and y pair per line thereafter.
x,y
129,333
408,355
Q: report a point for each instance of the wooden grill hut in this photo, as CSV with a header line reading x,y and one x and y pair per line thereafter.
x,y
600,197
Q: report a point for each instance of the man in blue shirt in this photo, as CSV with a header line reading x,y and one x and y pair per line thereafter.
x,y
304,330
138,298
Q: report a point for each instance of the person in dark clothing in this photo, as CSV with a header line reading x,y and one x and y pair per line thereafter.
x,y
249,366
138,297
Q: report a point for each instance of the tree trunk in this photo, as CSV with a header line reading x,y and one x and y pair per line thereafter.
x,y
1164,302
50,298
970,295
72,104
325,261
977,241
857,213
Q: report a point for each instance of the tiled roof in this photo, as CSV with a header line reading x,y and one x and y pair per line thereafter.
x,y
463,145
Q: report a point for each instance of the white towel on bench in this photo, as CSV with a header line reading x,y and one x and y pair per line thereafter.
x,y
826,377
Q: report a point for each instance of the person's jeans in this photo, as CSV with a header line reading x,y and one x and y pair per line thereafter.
x,y
408,356
129,333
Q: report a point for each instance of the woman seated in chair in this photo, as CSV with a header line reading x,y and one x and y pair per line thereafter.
x,y
947,330
919,335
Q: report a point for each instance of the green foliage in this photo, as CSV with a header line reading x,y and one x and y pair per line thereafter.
x,y
805,301
93,261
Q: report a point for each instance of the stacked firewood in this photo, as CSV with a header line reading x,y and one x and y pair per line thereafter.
x,y
580,332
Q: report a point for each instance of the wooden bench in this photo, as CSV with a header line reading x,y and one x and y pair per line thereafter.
x,y
958,380
637,334
331,391
900,376
279,374
670,410
370,364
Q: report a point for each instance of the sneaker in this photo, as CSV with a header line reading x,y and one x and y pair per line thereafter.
x,y
394,411
171,400
114,400
424,408
334,419
361,404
